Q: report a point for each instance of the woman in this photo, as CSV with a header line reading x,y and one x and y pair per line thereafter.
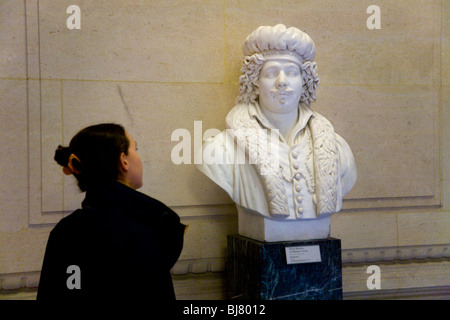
x,y
122,243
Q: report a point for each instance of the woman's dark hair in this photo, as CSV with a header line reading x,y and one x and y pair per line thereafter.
x,y
98,148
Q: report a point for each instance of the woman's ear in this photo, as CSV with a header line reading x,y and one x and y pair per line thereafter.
x,y
123,163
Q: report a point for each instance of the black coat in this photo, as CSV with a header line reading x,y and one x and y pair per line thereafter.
x,y
123,242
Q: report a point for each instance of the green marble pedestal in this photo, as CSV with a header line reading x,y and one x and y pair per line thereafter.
x,y
308,270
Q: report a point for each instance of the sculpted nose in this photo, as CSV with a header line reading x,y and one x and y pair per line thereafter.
x,y
281,81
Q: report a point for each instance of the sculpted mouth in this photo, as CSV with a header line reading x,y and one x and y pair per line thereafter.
x,y
283,93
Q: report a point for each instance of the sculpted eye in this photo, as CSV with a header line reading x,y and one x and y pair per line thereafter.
x,y
270,74
293,73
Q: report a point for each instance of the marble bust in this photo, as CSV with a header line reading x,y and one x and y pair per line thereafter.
x,y
296,169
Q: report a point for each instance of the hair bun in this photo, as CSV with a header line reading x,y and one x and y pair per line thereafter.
x,y
62,155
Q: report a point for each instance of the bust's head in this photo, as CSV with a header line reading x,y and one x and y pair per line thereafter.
x,y
285,47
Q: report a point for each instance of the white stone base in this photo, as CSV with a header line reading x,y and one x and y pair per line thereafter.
x,y
258,227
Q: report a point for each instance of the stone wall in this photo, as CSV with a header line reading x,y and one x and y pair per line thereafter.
x,y
157,66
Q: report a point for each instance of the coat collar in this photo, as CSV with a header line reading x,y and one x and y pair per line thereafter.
x,y
254,112
117,195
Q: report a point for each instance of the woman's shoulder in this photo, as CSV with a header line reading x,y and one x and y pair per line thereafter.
x,y
70,221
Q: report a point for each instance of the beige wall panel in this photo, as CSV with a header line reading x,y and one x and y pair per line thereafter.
x,y
157,41
22,250
12,40
14,155
151,112
405,155
391,132
445,141
378,96
377,229
445,16
445,109
433,226
207,237
51,137
347,51
44,130
364,229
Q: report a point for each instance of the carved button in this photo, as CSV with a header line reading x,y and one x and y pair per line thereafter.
x,y
296,165
298,188
300,210
299,199
295,154
298,176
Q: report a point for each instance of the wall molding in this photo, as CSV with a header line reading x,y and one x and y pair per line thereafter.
x,y
350,257
435,251
212,286
429,293
13,281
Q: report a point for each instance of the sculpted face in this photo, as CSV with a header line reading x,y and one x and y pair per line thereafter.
x,y
279,85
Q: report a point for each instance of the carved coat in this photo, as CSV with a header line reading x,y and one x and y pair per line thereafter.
x,y
303,176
